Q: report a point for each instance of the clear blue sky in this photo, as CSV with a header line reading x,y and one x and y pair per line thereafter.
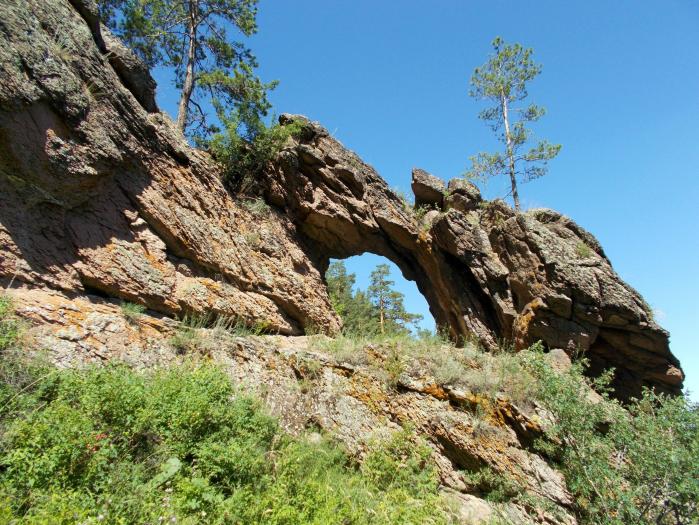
x,y
620,82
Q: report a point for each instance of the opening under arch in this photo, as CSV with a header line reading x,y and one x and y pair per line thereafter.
x,y
361,268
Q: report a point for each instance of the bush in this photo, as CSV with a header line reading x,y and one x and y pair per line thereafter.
x,y
244,160
634,464
113,445
9,326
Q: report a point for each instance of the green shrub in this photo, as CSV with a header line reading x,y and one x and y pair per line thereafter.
x,y
244,160
113,445
9,325
634,464
495,486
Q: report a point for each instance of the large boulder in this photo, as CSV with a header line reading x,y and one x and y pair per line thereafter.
x,y
428,189
462,196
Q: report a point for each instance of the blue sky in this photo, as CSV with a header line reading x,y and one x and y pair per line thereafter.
x,y
620,83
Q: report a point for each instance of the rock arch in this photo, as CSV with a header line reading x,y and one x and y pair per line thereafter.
x,y
485,271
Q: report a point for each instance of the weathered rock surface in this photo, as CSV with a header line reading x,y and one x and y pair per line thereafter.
x,y
462,196
428,189
102,196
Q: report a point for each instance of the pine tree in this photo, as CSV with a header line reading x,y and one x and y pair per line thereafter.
x,y
191,37
503,80
378,310
354,308
393,318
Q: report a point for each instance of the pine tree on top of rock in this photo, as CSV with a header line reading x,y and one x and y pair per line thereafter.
x,y
503,80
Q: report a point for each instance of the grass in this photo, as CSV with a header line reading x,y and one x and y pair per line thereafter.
x,y
256,206
131,311
252,239
9,325
583,251
434,359
115,445
190,338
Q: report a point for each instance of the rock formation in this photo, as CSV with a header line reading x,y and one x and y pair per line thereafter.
x,y
104,201
486,271
102,197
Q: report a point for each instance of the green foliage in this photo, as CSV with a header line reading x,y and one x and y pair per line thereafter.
x,y
245,158
495,486
256,206
583,251
644,467
354,307
9,325
379,310
116,446
192,38
393,317
186,339
503,80
132,311
13,376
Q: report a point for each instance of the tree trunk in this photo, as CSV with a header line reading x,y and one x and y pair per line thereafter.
x,y
188,85
510,152
381,314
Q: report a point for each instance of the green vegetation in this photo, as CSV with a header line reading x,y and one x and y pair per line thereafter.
x,y
245,157
9,326
190,338
388,303
256,206
379,310
353,307
181,445
191,37
132,311
583,251
115,445
635,464
503,81
495,487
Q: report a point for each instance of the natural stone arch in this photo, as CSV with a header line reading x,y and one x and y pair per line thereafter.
x,y
486,272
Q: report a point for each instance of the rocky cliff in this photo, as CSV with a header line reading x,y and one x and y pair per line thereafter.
x,y
103,201
103,198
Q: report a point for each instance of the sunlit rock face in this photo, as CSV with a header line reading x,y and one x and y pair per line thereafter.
x,y
101,196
